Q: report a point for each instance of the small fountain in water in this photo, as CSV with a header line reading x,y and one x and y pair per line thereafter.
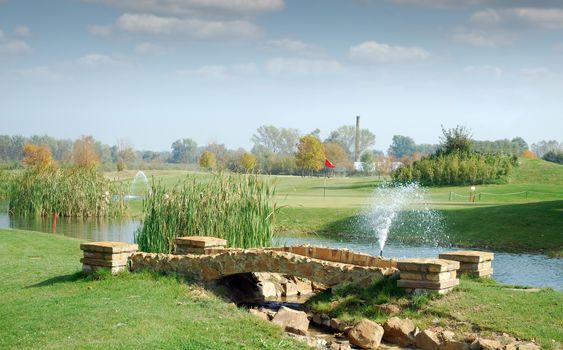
x,y
402,208
133,193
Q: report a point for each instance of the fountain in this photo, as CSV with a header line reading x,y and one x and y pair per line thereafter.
x,y
402,209
133,192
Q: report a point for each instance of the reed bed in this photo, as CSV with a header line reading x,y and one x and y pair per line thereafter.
x,y
230,206
65,192
6,179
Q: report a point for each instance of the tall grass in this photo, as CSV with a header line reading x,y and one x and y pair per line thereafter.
x,y
68,192
230,206
6,179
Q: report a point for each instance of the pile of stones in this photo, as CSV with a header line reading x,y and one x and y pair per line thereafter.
x,y
113,256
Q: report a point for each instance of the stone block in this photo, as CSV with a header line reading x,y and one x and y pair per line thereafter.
x,y
291,320
427,265
430,285
201,242
103,263
399,331
109,247
425,276
183,250
289,289
468,256
107,256
427,340
366,334
114,270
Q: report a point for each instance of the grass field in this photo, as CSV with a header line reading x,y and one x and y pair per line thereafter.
x,y
523,215
47,304
475,304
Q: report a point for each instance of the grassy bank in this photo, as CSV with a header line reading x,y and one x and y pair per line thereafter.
x,y
474,305
46,303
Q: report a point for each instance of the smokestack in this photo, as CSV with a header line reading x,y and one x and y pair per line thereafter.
x,y
357,145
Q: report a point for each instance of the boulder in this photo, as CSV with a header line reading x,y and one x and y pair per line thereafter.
x,y
454,345
488,344
304,287
291,320
337,325
339,346
447,335
528,346
268,289
399,331
261,314
289,289
427,340
366,334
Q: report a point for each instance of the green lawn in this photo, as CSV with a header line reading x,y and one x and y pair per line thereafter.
x,y
477,304
46,303
502,219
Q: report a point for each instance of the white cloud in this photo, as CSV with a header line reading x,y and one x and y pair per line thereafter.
x,y
10,45
289,45
220,72
101,30
484,70
96,60
480,38
379,52
546,18
147,48
196,28
302,67
22,31
190,7
39,73
537,72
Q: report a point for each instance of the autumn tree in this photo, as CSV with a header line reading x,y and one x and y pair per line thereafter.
x,y
248,162
310,154
84,152
336,154
125,153
37,156
207,160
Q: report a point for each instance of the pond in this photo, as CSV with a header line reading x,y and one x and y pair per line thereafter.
x,y
533,270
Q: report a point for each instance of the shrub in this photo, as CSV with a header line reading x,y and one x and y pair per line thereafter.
x,y
233,207
554,156
70,192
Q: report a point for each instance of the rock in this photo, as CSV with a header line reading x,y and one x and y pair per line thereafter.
x,y
528,346
366,334
317,319
318,287
427,340
488,344
474,345
292,321
268,289
325,320
511,346
261,314
340,345
399,331
304,287
454,345
447,335
471,337
289,289
389,309
337,325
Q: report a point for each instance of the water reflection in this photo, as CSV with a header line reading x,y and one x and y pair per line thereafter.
x,y
521,269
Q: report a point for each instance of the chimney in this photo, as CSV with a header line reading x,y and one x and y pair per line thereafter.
x,y
357,144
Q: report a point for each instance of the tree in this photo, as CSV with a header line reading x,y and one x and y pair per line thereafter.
x,y
543,147
184,151
207,160
84,153
345,136
281,141
337,155
401,146
520,145
368,162
248,162
456,140
125,153
310,154
37,156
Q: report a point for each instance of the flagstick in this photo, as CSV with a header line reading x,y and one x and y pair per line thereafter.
x,y
324,187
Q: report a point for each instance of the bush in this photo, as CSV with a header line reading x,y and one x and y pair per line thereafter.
x,y
69,192
554,156
457,169
233,207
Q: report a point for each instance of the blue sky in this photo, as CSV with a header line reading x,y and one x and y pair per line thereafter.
x,y
153,71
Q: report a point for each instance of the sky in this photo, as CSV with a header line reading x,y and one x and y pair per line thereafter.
x,y
154,71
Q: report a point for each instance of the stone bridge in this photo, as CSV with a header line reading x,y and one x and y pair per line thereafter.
x,y
324,265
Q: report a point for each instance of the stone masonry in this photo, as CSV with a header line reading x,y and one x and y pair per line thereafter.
x,y
106,255
229,262
473,263
198,244
428,274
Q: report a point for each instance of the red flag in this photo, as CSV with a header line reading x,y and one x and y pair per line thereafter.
x,y
328,164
